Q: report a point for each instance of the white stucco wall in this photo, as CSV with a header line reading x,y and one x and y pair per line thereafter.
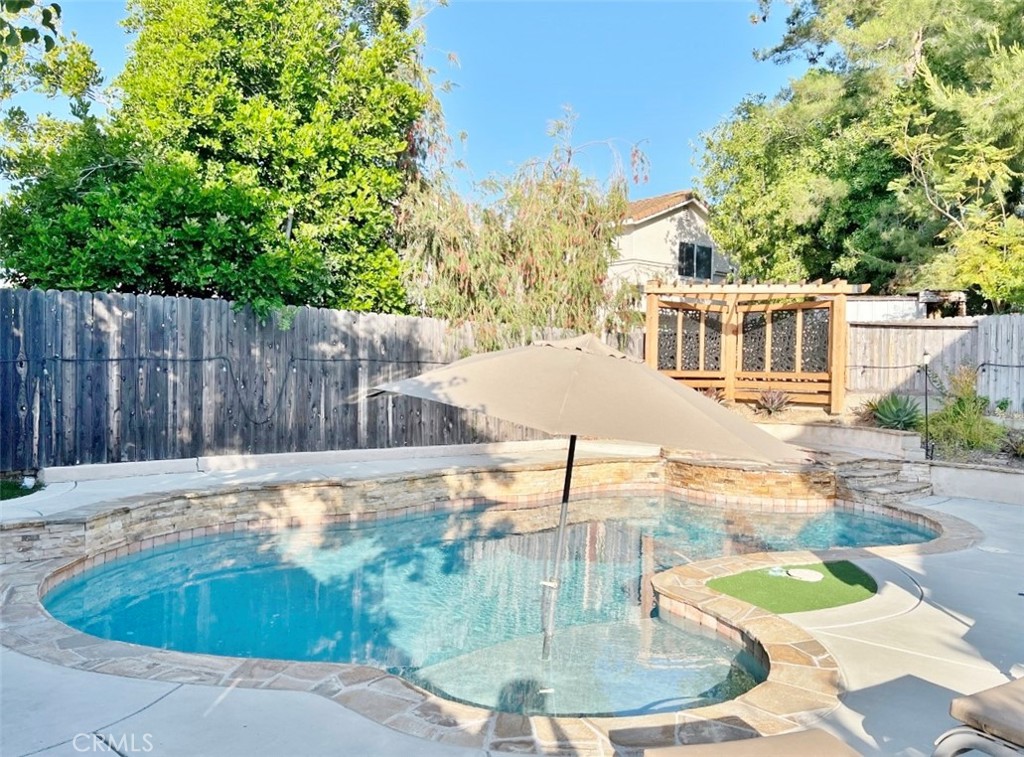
x,y
867,308
650,248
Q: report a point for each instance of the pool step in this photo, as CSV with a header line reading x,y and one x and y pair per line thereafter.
x,y
887,493
882,481
869,475
864,463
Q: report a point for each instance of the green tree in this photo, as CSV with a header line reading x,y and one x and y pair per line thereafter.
x,y
896,159
799,187
27,22
144,225
311,100
258,152
533,254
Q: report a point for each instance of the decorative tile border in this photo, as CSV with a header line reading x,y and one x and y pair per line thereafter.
x,y
803,681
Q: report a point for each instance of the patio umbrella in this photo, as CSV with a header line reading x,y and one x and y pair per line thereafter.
x,y
580,386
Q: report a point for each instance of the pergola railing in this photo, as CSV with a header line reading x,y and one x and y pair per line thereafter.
x,y
745,339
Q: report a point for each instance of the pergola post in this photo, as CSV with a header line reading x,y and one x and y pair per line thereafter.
x,y
732,323
651,331
837,355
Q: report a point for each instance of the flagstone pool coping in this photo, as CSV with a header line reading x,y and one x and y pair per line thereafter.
x,y
803,684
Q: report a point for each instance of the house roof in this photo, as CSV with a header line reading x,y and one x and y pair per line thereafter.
x,y
640,210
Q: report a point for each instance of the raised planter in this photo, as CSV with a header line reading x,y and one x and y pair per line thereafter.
x,y
903,445
978,482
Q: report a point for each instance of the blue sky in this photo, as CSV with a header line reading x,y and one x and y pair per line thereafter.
x,y
652,72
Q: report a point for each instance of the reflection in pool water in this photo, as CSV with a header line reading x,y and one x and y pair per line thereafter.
x,y
452,601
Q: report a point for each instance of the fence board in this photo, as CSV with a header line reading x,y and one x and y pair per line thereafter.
x,y
170,372
69,380
181,380
364,353
21,371
108,349
233,376
206,313
220,411
197,383
8,382
296,424
129,424
34,337
81,400
316,362
47,446
1001,357
32,342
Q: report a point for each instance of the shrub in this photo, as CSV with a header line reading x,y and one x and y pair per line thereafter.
x,y
1014,442
963,382
961,425
897,411
773,401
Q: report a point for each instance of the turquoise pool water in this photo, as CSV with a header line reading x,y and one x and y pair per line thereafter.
x,y
452,601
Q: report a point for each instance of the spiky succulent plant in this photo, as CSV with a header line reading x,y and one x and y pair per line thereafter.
x,y
897,411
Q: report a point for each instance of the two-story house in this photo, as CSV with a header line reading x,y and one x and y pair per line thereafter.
x,y
666,237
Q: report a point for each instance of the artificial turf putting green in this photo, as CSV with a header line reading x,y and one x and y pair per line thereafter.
x,y
843,584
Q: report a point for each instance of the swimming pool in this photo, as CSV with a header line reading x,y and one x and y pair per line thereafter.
x,y
451,601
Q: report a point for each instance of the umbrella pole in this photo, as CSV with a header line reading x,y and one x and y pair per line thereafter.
x,y
551,586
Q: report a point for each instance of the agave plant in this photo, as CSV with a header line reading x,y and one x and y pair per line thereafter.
x,y
773,401
715,393
897,411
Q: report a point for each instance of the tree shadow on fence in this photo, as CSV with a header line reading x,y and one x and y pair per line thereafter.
x,y
97,378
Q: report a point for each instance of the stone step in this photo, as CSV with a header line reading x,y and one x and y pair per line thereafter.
x,y
888,493
867,464
867,476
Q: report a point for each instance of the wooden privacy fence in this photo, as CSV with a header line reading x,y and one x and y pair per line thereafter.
x,y
747,338
94,378
887,356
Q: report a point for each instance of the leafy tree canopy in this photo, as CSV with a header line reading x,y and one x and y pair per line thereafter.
x,y
27,22
897,159
256,152
533,254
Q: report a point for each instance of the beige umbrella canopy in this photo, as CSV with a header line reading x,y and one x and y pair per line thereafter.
x,y
580,386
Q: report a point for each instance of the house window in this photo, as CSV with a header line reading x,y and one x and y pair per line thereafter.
x,y
694,261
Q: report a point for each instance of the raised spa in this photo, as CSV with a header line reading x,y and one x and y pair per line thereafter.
x,y
452,601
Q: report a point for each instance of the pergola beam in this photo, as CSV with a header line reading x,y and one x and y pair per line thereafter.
x,y
834,287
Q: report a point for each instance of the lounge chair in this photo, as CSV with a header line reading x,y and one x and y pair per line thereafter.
x,y
993,723
812,743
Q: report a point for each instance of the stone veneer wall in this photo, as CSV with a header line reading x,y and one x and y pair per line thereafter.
x,y
806,488
134,523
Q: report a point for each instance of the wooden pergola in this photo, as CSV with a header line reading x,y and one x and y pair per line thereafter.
x,y
745,339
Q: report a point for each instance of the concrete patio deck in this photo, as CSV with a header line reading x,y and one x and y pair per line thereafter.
x,y
941,624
